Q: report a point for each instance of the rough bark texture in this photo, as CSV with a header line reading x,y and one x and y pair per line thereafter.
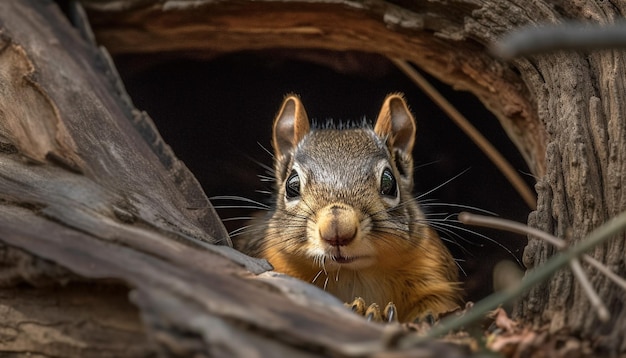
x,y
579,98
441,37
77,320
563,110
96,210
76,165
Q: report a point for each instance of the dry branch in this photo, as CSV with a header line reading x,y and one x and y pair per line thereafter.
x,y
438,37
89,193
87,184
563,110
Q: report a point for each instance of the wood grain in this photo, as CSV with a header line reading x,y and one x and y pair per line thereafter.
x,y
89,190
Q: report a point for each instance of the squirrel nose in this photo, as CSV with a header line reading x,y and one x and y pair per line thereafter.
x,y
338,224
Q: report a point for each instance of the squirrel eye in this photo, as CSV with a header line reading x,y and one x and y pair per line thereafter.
x,y
292,186
388,185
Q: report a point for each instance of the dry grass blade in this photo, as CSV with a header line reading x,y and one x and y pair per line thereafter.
x,y
512,226
533,277
577,270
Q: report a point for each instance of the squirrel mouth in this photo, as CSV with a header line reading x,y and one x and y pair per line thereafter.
x,y
343,260
337,255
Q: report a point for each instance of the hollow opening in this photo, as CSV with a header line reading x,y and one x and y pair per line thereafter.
x,y
216,114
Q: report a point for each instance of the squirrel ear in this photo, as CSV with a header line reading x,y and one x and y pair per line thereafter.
x,y
290,126
396,123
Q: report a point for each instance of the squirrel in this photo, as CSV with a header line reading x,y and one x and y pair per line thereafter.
x,y
345,218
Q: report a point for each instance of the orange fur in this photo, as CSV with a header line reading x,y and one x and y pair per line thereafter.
x,y
345,219
416,276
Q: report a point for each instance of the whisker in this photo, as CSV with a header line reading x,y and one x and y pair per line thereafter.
x,y
449,230
309,210
460,268
241,207
450,224
240,230
485,237
290,215
238,218
452,241
420,166
239,198
268,152
443,184
317,276
456,206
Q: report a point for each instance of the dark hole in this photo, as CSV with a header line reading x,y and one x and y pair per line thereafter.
x,y
215,113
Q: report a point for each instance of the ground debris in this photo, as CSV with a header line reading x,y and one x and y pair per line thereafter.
x,y
506,337
512,339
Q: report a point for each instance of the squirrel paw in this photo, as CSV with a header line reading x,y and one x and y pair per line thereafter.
x,y
372,312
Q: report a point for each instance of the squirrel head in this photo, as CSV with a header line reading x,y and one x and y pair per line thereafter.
x,y
341,192
395,127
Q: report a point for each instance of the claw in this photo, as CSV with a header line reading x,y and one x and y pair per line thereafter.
x,y
390,313
373,313
357,306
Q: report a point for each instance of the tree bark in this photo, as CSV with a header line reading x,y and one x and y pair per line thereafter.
x,y
563,109
432,35
109,246
77,157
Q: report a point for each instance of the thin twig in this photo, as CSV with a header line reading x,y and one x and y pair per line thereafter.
x,y
512,226
592,295
508,225
577,270
531,40
492,153
533,277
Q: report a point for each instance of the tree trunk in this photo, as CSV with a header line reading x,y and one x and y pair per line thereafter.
x,y
77,159
109,246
